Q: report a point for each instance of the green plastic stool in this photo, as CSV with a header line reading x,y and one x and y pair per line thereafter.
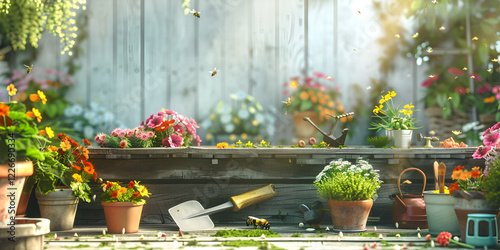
x,y
481,230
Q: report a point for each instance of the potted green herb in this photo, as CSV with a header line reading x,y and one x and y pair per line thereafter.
x,y
349,190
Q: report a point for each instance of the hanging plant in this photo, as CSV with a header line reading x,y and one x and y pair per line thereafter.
x,y
26,20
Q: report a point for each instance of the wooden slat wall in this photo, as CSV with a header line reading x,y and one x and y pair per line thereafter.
x,y
144,55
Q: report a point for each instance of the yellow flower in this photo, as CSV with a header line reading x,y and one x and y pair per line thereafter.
x,y
236,120
65,145
244,136
208,137
42,96
249,144
382,100
391,94
255,123
222,145
37,114
50,132
144,191
77,177
11,89
232,137
409,106
239,142
378,109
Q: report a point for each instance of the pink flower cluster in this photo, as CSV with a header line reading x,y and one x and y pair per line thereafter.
x,y
184,129
491,141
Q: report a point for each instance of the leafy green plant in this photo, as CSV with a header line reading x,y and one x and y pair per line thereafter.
x,y
341,180
378,141
492,181
134,192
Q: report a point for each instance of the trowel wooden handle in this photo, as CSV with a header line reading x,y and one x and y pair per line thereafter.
x,y
252,197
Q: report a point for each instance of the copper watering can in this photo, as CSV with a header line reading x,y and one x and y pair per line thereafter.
x,y
408,210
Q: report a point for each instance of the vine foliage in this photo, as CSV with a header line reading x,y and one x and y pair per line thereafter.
x,y
25,20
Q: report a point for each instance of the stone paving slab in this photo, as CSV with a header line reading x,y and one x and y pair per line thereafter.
x,y
147,238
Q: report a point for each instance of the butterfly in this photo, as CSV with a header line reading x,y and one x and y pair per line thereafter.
x,y
29,68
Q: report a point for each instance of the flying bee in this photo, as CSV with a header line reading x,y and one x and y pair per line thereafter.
x,y
195,13
264,225
213,73
288,102
29,68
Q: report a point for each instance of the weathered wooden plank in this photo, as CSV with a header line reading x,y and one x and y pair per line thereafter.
x,y
128,91
101,54
183,60
320,30
157,33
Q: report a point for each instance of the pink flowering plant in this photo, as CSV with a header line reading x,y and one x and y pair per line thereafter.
x,y
490,153
166,128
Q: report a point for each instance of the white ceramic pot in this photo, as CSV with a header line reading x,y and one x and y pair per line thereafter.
x,y
401,138
440,210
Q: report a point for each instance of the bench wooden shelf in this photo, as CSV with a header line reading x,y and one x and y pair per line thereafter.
x,y
212,175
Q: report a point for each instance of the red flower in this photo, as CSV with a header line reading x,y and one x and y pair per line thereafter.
x,y
458,168
461,90
123,144
108,185
453,187
114,194
89,169
136,195
477,78
455,71
164,125
483,89
61,136
443,238
87,142
77,168
495,127
131,184
429,81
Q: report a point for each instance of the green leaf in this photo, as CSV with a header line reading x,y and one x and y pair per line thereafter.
x,y
491,21
305,105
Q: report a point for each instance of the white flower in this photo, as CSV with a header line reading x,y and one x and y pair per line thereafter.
x,y
88,132
243,114
226,118
229,128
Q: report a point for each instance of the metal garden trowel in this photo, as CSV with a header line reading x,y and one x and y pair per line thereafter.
x,y
191,216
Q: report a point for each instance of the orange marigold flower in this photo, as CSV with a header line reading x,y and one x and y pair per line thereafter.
x,y
222,145
77,168
84,151
89,169
42,132
61,135
476,173
30,114
65,145
108,185
114,194
490,99
303,96
319,94
453,187
310,92
322,101
73,142
136,195
123,190
86,142
34,98
4,109
314,99
464,175
458,168
52,148
331,104
131,184
95,176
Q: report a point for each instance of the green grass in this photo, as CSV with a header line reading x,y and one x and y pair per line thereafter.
x,y
245,233
296,235
243,243
368,234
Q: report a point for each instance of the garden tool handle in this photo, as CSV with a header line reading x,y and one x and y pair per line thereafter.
x,y
441,174
252,197
404,171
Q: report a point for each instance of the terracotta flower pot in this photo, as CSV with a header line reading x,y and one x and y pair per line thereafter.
x,y
350,216
11,186
303,129
59,207
122,215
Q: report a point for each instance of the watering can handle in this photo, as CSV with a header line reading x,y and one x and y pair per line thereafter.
x,y
404,171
